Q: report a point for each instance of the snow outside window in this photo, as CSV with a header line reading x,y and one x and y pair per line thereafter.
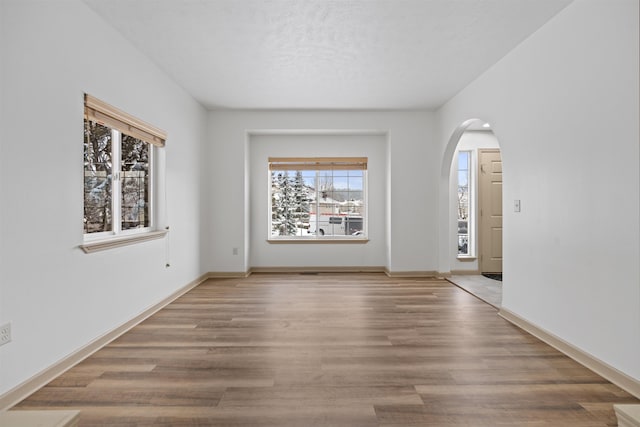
x,y
464,168
318,198
118,166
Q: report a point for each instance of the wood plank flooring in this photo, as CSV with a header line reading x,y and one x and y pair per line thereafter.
x,y
330,350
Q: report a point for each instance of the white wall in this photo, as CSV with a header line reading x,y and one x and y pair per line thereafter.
x,y
3,38
469,141
564,106
58,298
412,169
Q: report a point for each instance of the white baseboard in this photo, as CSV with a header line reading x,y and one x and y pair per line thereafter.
x,y
33,384
628,415
44,418
323,269
601,368
228,274
465,273
410,274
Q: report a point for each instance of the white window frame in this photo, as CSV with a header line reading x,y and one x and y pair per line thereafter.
x,y
116,194
323,164
122,123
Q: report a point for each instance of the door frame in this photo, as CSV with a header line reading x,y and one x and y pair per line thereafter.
x,y
447,236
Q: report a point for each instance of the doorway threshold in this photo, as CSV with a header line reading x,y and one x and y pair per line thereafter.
x,y
483,288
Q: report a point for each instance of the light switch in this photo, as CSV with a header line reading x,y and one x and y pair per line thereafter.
x,y
516,205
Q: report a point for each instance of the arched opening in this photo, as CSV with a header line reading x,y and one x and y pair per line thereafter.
x,y
472,222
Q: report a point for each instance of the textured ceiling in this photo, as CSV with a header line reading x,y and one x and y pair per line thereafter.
x,y
325,54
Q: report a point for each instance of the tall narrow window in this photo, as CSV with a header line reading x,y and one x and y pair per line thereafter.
x,y
134,179
98,173
118,166
321,198
464,176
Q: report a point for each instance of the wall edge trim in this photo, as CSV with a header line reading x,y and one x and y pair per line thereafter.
x,y
596,365
42,378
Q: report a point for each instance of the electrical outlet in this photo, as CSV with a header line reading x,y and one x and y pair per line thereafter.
x,y
5,333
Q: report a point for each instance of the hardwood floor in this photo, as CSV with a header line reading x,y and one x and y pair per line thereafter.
x,y
330,350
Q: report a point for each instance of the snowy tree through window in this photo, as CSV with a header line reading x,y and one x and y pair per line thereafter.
x,y
116,180
118,165
318,198
98,172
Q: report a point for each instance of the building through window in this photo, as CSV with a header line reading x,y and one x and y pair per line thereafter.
x,y
322,198
464,176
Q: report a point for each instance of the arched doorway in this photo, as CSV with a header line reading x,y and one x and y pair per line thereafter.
x,y
472,171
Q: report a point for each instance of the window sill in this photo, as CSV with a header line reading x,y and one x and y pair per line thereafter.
x,y
466,258
318,240
116,242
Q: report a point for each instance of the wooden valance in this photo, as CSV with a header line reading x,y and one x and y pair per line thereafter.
x,y
317,163
108,115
